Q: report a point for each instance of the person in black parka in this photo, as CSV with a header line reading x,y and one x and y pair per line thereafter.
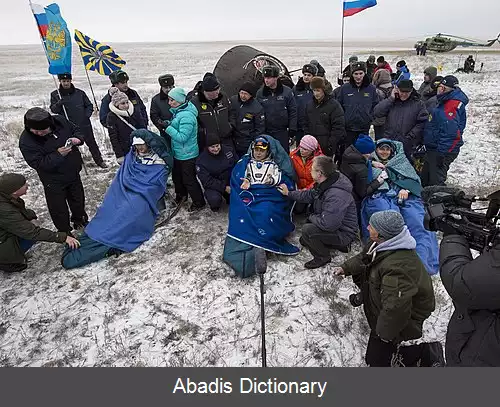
x,y
76,104
324,119
246,116
43,146
160,109
213,111
357,166
473,336
213,169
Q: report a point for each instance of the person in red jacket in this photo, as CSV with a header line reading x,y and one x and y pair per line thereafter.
x,y
302,159
382,64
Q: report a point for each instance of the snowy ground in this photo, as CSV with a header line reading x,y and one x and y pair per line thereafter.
x,y
173,302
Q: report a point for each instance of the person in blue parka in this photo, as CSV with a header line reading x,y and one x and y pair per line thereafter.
x,y
183,130
443,132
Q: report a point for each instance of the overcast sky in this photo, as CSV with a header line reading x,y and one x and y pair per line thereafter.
x,y
215,20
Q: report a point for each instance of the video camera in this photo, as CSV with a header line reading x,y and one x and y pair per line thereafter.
x,y
452,207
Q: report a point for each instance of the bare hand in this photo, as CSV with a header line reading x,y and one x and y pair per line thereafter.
x,y
338,271
64,151
228,189
75,141
403,194
72,242
283,189
376,164
245,184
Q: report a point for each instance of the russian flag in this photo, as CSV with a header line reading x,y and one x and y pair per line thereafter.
x,y
41,19
354,7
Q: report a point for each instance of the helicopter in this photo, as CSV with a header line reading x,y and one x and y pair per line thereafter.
x,y
447,43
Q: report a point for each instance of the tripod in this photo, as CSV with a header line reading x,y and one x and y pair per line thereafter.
x,y
260,269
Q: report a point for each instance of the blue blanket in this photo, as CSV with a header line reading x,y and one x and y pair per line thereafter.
x,y
413,213
127,214
260,216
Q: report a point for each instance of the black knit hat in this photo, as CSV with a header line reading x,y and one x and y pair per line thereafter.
x,y
405,85
166,80
401,63
212,139
210,82
250,88
10,183
37,118
358,66
310,68
118,77
64,76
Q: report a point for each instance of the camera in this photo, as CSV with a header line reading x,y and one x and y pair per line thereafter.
x,y
447,206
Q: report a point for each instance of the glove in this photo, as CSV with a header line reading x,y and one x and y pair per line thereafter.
x,y
59,103
161,124
382,177
166,123
120,160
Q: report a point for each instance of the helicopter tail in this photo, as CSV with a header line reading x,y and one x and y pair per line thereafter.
x,y
491,42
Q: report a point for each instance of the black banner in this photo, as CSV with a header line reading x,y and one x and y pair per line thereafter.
x,y
402,387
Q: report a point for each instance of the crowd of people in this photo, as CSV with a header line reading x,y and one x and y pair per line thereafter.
x,y
345,184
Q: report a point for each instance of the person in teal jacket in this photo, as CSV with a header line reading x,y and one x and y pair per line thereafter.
x,y
183,130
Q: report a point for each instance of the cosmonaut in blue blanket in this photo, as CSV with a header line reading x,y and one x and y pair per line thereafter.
x,y
401,191
128,212
259,215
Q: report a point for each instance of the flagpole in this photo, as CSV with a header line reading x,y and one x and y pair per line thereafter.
x,y
53,76
342,42
90,84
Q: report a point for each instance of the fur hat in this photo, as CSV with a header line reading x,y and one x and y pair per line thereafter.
x,y
118,77
37,118
353,59
178,94
67,75
318,83
210,82
117,96
358,66
388,224
166,80
270,71
10,183
310,68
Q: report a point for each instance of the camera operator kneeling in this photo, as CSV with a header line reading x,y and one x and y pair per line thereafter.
x,y
473,337
396,289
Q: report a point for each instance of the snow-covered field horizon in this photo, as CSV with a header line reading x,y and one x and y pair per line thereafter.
x,y
173,302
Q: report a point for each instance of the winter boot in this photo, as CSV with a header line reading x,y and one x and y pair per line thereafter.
x,y
195,208
317,263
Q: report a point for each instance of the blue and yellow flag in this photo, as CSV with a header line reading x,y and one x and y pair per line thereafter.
x,y
57,40
96,56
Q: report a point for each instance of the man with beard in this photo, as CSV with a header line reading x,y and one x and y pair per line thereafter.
x,y
160,109
280,107
48,144
75,103
213,112
119,79
246,116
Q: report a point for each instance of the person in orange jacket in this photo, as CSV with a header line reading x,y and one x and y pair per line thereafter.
x,y
302,159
